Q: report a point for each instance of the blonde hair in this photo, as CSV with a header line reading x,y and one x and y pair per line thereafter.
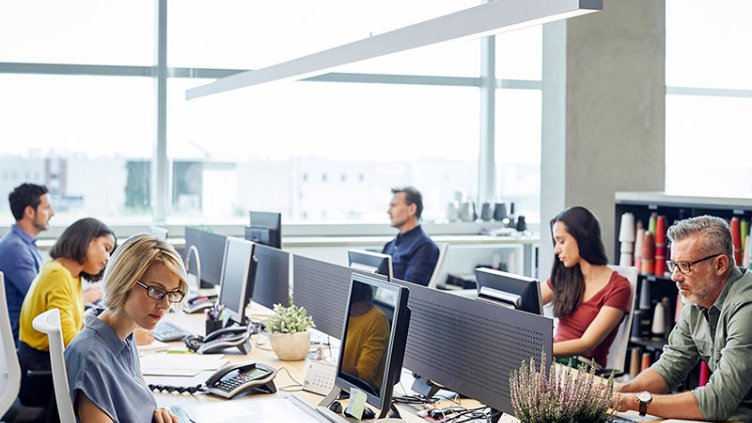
x,y
130,262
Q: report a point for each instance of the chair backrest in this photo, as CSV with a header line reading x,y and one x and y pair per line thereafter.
x,y
49,323
439,263
617,355
10,370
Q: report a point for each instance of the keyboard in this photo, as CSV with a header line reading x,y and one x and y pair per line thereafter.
x,y
168,331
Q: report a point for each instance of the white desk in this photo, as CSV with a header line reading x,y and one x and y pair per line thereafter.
x,y
262,354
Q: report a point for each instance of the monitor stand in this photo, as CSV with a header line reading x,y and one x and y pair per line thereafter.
x,y
337,393
425,387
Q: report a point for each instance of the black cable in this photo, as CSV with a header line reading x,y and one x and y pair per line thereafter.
x,y
177,389
415,399
468,414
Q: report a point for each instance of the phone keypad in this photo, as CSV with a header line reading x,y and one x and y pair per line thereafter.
x,y
228,384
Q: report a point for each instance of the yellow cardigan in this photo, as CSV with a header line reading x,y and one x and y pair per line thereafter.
x,y
367,338
54,287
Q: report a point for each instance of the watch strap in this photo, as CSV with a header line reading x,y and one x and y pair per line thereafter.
x,y
643,407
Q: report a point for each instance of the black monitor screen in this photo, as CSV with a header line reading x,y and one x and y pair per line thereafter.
x,y
373,339
237,277
371,262
211,249
272,276
265,228
514,291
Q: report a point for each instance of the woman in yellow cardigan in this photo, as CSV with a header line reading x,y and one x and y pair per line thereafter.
x,y
81,251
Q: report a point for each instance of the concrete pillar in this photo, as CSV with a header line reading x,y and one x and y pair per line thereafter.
x,y
603,112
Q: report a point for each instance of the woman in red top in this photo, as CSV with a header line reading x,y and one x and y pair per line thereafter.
x,y
589,299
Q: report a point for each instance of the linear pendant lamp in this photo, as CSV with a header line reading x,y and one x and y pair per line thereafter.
x,y
476,22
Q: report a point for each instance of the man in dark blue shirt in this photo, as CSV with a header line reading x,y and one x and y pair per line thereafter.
x,y
414,255
19,258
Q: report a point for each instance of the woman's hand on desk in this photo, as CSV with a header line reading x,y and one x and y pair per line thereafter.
x,y
162,415
143,336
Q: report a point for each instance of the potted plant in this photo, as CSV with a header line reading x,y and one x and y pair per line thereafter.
x,y
289,332
564,395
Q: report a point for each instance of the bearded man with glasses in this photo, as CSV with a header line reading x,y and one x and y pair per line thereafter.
x,y
715,325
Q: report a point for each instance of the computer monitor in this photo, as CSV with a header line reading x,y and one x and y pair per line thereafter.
x,y
237,280
470,346
373,339
371,262
211,248
510,290
265,228
272,276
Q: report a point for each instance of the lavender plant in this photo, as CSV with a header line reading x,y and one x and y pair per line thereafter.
x,y
564,395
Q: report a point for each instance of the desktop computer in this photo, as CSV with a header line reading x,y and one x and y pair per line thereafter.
x,y
373,341
371,262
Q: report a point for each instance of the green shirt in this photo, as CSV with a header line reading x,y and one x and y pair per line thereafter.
x,y
722,336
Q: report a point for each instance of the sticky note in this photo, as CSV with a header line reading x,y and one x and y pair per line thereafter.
x,y
357,403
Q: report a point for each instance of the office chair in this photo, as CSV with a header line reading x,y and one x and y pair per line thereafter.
x,y
617,355
10,370
439,263
49,323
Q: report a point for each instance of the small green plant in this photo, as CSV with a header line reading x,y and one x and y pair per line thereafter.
x,y
290,319
564,395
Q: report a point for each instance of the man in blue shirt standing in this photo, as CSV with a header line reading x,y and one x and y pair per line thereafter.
x,y
19,258
414,255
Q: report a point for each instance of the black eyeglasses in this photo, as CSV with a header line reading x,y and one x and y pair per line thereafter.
x,y
685,267
158,294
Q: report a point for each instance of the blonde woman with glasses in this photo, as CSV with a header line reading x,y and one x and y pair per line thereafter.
x,y
144,277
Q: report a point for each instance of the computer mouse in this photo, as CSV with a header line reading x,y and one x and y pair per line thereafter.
x,y
336,407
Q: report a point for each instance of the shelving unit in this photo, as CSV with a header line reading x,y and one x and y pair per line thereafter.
x,y
642,205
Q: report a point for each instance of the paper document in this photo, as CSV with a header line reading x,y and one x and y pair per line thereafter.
x,y
633,416
258,410
163,364
153,347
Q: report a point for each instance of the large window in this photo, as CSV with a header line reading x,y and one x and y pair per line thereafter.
x,y
709,98
85,137
244,34
78,31
298,147
80,109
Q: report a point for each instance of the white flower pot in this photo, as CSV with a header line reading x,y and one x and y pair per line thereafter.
x,y
291,346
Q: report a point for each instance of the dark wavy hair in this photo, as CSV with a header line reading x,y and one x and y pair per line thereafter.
x,y
74,242
568,283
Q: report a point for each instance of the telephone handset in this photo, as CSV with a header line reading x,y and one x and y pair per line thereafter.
x,y
199,303
234,379
218,341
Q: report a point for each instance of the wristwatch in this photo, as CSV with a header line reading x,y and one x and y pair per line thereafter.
x,y
644,399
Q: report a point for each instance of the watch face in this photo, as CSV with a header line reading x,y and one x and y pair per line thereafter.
x,y
644,396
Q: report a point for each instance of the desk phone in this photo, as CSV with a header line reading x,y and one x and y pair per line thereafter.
x,y
194,305
235,379
218,341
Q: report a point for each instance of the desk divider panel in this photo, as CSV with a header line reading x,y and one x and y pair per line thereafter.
x,y
272,276
322,289
471,346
